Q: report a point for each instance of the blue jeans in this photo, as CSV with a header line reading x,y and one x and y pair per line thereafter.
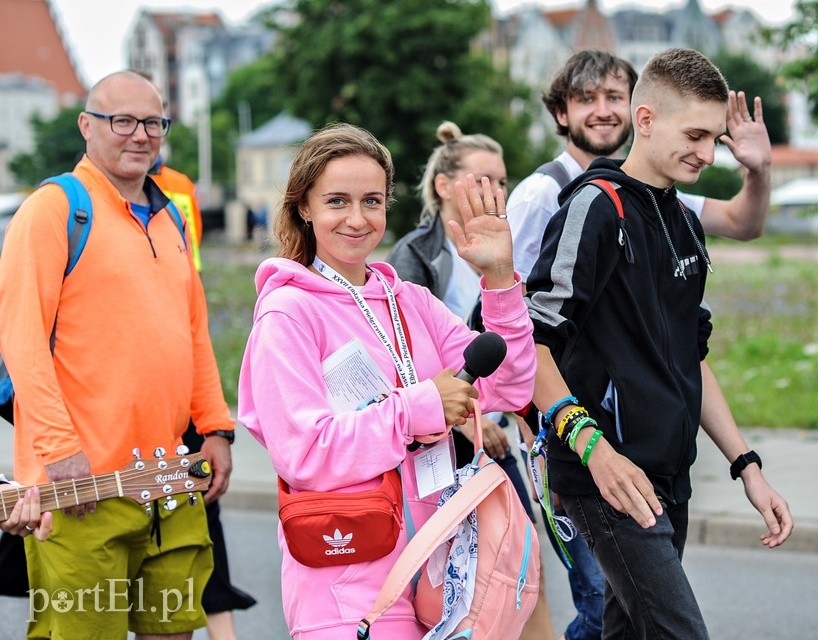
x,y
647,594
587,587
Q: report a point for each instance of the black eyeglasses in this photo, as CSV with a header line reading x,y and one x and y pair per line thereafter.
x,y
126,125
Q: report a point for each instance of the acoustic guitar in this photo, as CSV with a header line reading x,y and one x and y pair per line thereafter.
x,y
141,480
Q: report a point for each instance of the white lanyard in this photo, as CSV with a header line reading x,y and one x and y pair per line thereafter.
x,y
403,362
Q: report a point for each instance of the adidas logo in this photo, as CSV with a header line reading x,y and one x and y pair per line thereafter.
x,y
339,543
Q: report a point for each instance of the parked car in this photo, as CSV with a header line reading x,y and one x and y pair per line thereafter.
x,y
9,203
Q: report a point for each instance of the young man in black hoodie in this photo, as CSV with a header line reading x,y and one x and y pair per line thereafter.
x,y
622,387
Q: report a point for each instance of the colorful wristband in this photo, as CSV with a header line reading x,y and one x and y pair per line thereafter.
x,y
586,455
559,404
576,412
585,421
569,428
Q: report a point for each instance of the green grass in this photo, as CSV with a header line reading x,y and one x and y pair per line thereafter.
x,y
764,348
231,296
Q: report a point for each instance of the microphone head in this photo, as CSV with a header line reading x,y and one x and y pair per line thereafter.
x,y
484,354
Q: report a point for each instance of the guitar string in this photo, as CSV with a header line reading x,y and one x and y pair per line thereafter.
x,y
92,483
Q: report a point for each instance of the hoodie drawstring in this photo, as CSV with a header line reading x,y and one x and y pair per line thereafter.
x,y
698,244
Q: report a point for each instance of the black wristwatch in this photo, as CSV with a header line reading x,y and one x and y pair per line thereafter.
x,y
741,463
230,436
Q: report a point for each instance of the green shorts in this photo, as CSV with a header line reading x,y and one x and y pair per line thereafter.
x,y
104,575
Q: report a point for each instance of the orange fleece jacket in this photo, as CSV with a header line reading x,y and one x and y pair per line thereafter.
x,y
132,359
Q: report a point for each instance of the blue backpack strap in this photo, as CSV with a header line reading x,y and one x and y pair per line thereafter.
x,y
177,218
80,215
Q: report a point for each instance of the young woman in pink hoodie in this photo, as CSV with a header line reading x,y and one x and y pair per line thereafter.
x,y
321,299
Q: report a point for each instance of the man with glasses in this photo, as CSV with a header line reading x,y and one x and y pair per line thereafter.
x,y
113,358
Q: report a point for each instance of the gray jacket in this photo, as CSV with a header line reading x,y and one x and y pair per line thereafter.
x,y
422,257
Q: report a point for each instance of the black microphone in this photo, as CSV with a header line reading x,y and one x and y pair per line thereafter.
x,y
482,355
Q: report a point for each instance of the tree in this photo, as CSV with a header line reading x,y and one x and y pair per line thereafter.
x,y
184,150
743,73
58,146
801,31
398,69
253,87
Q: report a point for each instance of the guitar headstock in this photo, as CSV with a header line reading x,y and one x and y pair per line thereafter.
x,y
146,480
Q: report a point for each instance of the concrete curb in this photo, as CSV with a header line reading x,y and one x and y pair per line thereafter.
x,y
745,533
704,529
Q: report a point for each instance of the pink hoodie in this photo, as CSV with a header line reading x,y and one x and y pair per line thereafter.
x,y
300,319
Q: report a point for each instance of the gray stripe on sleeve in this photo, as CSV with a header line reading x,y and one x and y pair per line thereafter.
x,y
545,306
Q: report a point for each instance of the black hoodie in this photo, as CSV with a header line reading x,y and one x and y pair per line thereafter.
x,y
644,339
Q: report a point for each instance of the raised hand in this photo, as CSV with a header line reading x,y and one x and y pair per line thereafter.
x,y
748,139
485,239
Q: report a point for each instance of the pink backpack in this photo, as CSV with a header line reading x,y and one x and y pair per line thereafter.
x,y
504,589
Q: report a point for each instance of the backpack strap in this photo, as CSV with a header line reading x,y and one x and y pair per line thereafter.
x,y
436,530
555,170
610,191
80,215
177,218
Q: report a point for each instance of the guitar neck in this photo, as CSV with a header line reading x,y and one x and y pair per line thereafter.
x,y
65,493
141,480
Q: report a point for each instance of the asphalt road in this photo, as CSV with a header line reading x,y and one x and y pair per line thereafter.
x,y
744,594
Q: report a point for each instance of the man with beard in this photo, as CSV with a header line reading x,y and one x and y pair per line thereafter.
x,y
590,100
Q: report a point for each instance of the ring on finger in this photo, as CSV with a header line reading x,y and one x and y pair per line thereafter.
x,y
29,528
502,216
491,213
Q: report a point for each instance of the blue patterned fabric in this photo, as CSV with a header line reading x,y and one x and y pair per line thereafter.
x,y
454,565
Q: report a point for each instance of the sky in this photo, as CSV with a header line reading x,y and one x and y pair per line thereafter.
x,y
96,29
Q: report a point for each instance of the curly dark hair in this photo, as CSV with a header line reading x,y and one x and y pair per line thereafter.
x,y
585,67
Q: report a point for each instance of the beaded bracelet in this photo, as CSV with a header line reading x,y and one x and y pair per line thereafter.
x,y
583,422
586,455
559,404
572,413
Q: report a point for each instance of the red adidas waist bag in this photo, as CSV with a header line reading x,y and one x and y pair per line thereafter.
x,y
328,528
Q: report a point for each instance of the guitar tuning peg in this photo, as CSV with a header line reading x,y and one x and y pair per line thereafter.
x,y
182,450
170,504
192,499
148,510
137,453
159,452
